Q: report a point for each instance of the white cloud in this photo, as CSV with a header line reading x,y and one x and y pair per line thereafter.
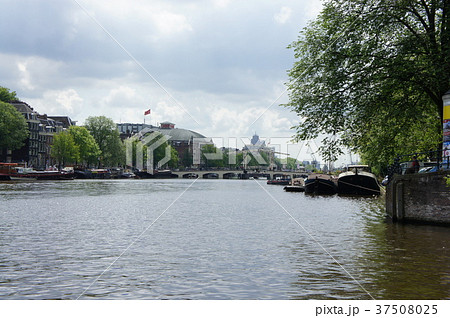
x,y
312,8
222,60
25,79
69,100
121,97
221,3
170,23
284,15
168,110
137,20
58,102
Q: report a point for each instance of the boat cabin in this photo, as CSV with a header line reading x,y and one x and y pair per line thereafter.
x,y
358,168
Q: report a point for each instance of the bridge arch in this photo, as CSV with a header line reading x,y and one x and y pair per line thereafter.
x,y
190,175
210,175
230,175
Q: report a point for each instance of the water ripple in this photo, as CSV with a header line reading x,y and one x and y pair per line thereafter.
x,y
223,239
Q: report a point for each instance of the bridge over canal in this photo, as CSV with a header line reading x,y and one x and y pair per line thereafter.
x,y
233,174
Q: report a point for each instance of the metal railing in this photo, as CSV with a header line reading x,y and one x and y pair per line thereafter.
x,y
429,161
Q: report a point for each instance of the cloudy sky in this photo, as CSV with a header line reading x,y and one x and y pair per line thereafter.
x,y
217,67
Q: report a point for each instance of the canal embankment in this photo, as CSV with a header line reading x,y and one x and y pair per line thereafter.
x,y
419,198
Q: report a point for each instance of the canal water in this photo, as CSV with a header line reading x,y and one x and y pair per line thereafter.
x,y
209,239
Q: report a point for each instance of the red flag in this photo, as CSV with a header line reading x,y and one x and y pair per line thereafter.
x,y
147,112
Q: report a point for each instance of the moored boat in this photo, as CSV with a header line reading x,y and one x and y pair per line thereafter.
x,y
358,180
6,169
15,172
282,180
297,185
318,183
157,174
279,181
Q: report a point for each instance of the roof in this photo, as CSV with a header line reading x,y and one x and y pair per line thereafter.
x,y
176,134
65,120
181,134
22,106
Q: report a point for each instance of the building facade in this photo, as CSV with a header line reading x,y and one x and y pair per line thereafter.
x,y
29,153
182,140
36,151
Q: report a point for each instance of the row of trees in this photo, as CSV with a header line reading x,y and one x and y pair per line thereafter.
x,y
260,159
159,153
369,76
212,157
13,126
97,143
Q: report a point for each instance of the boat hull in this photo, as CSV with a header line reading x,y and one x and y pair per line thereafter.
x,y
320,185
279,182
358,185
43,176
155,175
293,188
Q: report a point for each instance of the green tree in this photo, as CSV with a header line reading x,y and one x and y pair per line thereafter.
x,y
262,161
13,127
64,149
291,163
107,137
87,146
187,159
174,158
158,154
371,73
232,159
7,96
208,151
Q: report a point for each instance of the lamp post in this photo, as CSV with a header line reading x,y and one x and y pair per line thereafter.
x,y
446,126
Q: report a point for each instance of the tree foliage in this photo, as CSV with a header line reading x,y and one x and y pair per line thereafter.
x,y
158,154
187,160
256,159
87,146
107,137
13,127
6,95
370,75
208,154
64,149
292,163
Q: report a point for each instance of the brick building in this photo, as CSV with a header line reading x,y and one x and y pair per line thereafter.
x,y
36,151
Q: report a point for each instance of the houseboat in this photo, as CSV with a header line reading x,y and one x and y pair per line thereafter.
x,y
297,185
358,180
318,183
14,171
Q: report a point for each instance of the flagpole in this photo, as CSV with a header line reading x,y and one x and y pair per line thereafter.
x,y
147,112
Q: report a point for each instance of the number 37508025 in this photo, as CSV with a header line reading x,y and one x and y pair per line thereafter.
x,y
406,309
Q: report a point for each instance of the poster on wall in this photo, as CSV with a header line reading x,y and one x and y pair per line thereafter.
x,y
446,149
446,130
446,133
446,112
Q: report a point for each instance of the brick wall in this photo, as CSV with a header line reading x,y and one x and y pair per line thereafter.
x,y
422,197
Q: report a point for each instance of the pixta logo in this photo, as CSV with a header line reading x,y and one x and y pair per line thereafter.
x,y
152,141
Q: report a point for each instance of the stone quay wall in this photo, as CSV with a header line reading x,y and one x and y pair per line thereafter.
x,y
420,197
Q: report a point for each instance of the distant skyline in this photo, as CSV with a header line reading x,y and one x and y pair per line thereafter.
x,y
217,67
